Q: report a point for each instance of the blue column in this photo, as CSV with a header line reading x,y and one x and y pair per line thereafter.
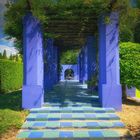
x,y
55,69
85,61
51,65
56,65
80,67
91,54
32,91
109,76
48,75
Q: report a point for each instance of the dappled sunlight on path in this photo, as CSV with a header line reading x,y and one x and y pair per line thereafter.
x,y
71,93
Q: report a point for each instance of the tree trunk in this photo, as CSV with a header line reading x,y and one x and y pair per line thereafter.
x,y
124,94
29,7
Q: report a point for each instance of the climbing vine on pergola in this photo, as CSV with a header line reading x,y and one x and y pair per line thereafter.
x,y
67,19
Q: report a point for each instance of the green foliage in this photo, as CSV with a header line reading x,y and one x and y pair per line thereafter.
x,y
46,10
69,57
137,28
17,58
11,57
8,119
11,115
130,64
11,75
93,82
126,34
130,25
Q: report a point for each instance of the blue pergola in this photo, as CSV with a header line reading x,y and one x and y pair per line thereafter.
x,y
42,73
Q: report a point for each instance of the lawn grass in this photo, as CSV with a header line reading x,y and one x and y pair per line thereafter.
x,y
138,93
11,114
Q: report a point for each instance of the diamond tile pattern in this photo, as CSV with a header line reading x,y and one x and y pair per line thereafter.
x,y
79,118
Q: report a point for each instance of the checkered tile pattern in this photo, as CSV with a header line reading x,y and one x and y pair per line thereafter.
x,y
68,104
66,124
79,116
82,125
69,134
73,110
71,116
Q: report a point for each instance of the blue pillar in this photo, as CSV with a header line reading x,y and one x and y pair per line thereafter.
x,y
55,56
48,77
88,60
56,65
85,63
32,91
80,67
91,54
82,58
51,65
109,76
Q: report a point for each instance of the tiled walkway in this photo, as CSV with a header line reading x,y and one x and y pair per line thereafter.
x,y
72,112
71,93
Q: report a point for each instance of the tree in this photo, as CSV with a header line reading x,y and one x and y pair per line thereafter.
x,y
17,57
4,54
11,57
137,32
1,56
69,57
128,24
130,65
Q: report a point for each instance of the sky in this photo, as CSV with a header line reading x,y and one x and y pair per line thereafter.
x,y
5,44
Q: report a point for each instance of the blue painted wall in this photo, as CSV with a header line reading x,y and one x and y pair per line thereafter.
x,y
73,67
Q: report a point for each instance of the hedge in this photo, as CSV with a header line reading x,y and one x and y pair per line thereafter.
x,y
11,75
130,64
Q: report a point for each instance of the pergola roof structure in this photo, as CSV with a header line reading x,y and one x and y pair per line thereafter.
x,y
71,24
72,33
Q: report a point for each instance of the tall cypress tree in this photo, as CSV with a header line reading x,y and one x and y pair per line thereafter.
x,y
11,57
1,56
17,58
4,54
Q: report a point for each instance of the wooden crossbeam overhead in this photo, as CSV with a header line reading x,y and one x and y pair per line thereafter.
x,y
71,30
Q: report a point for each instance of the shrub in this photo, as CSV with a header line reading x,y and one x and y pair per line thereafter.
x,y
130,65
11,75
69,57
